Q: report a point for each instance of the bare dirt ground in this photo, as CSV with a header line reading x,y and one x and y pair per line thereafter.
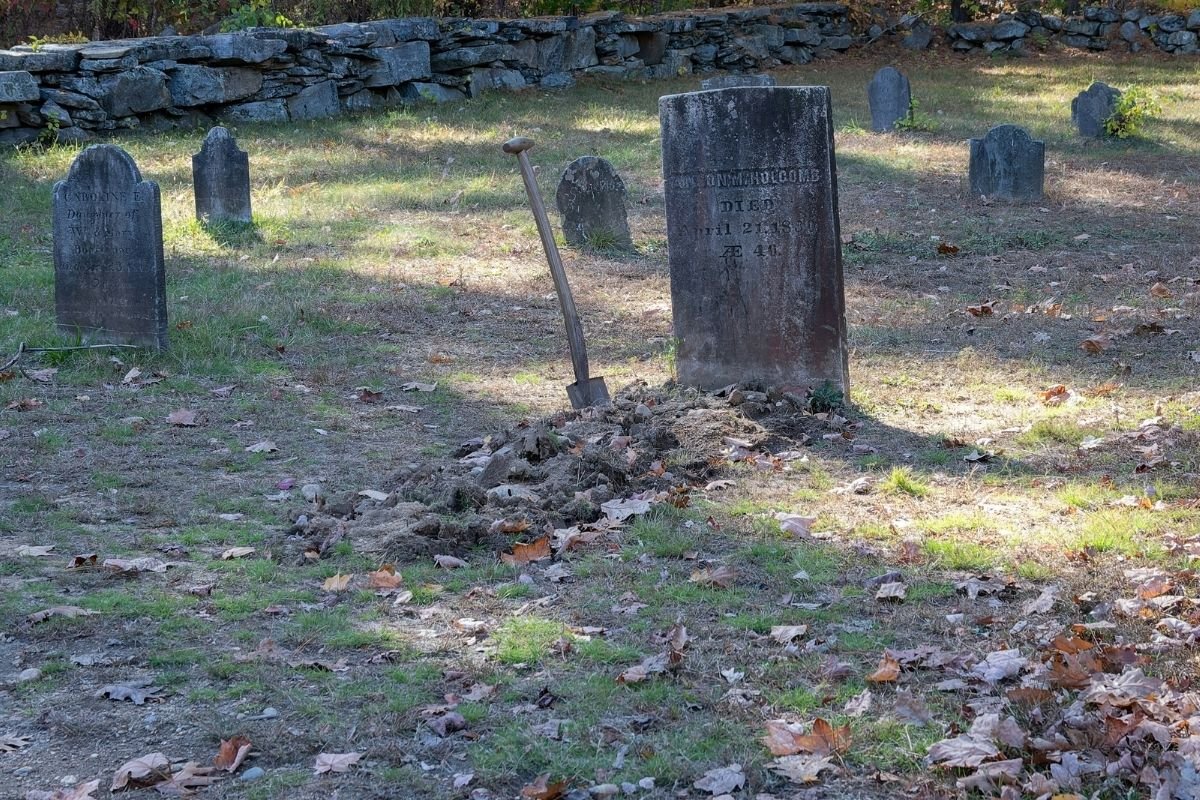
x,y
975,577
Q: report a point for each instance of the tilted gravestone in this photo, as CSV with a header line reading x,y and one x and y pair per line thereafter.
x,y
753,241
736,81
591,198
1092,108
221,179
109,277
1007,164
890,98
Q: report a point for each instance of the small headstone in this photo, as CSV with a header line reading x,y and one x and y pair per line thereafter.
x,y
736,81
591,198
890,98
221,178
1007,164
753,241
1092,108
109,277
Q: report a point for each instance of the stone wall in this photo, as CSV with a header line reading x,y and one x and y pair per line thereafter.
x,y
273,75
1133,30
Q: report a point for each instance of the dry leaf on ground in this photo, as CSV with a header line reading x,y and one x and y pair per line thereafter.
x,y
449,562
892,591
144,771
232,752
543,789
721,577
9,743
335,762
385,578
265,446
34,549
182,418
795,524
651,665
961,751
132,566
136,691
337,583
618,510
785,739
887,671
60,611
802,769
784,634
722,780
527,553
80,791
237,552
190,777
1000,665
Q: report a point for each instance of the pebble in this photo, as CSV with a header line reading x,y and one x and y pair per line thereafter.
x,y
641,412
267,713
311,491
68,780
253,774
27,675
151,720
21,772
604,790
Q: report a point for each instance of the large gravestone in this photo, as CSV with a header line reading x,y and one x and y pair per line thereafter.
x,y
109,278
591,198
1007,164
753,241
890,98
221,178
1092,108
736,81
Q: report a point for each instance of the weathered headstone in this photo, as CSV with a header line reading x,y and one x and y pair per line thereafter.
x,y
1007,164
753,241
890,98
591,198
736,81
221,179
109,278
1092,108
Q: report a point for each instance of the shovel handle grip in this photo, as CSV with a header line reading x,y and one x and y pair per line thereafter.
x,y
518,145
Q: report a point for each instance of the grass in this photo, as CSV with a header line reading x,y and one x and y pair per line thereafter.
x,y
397,247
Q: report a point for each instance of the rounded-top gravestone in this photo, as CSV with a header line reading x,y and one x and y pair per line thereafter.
x,y
890,99
591,198
1007,164
109,278
1091,109
221,179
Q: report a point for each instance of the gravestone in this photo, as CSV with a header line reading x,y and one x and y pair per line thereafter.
x,y
221,179
591,198
109,278
1092,108
736,81
1007,164
753,242
890,98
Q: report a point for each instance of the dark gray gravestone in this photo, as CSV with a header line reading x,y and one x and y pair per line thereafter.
x,y
890,98
591,198
1092,108
109,279
1007,164
752,233
221,178
736,81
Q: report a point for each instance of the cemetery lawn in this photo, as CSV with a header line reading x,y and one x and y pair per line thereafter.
x,y
1024,407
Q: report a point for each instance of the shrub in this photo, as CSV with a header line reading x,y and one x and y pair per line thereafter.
x,y
1133,108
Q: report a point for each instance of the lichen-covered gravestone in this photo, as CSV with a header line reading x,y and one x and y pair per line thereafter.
x,y
1092,108
591,198
1007,164
736,81
890,98
109,278
221,179
753,241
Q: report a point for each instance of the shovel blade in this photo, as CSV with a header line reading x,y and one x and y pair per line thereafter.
x,y
592,393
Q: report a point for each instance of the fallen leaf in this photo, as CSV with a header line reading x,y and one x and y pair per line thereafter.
x,y
859,704
1160,289
136,691
337,583
651,665
69,612
983,309
1041,604
721,577
232,752
449,562
414,386
947,249
785,739
370,494
132,566
190,777
795,524
149,769
892,591
961,751
911,709
34,549
887,671
526,553
447,723
618,510
80,791
335,762
265,446
237,552
1094,345
385,578
183,418
368,395
10,743
542,789
1000,665
41,375
802,769
721,780
784,634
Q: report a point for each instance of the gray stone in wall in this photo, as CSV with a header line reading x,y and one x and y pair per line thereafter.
x,y
16,136
429,93
18,87
9,117
1182,38
411,29
1130,31
1171,23
557,80
108,64
258,111
1092,108
52,110
221,179
978,32
919,38
360,101
1007,164
464,57
240,48
889,97
544,55
653,46
47,59
315,102
400,64
838,43
1008,30
1193,20
194,85
736,81
809,35
135,91
486,80
795,55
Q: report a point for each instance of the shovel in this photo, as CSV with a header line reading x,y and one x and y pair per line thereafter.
x,y
586,390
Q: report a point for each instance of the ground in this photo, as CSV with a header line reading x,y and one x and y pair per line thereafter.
x,y
1019,452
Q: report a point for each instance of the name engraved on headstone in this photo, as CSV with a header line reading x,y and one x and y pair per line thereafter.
x,y
109,276
753,242
221,179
